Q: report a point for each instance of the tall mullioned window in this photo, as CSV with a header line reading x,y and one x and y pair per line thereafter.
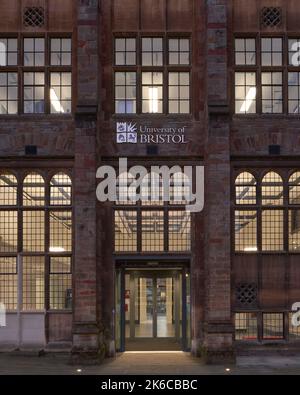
x,y
36,240
264,208
273,64
35,75
152,75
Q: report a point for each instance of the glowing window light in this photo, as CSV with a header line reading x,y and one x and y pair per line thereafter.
x,y
55,101
153,96
249,100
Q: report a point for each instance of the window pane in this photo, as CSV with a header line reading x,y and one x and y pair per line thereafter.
x,y
152,231
33,231
152,95
245,93
8,189
61,190
245,189
294,188
60,283
34,190
272,190
60,231
294,230
8,93
245,51
152,51
125,51
34,51
179,231
246,326
272,230
9,282
33,283
125,231
246,231
271,51
61,93
179,51
125,92
272,98
273,326
179,93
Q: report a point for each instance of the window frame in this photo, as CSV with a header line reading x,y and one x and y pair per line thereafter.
x,y
165,69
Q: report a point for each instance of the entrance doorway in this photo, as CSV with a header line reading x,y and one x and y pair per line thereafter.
x,y
154,310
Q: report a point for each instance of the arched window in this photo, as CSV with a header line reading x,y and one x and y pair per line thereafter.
x,y
245,189
61,190
34,190
272,189
294,188
8,189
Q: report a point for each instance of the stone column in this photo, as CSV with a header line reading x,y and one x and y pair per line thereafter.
x,y
87,332
218,328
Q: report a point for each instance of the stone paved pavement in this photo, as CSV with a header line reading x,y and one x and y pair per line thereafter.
x,y
146,363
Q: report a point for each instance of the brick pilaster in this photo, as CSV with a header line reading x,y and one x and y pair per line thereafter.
x,y
218,329
87,333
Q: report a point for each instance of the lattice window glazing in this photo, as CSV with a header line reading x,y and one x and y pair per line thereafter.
x,y
245,189
273,326
34,52
246,326
125,190
294,330
272,189
179,231
61,51
8,282
34,231
271,52
294,230
60,283
152,51
125,51
271,16
246,294
8,93
60,231
245,92
272,230
179,93
61,92
33,283
294,188
34,17
245,51
179,51
125,231
245,231
152,190
61,190
153,230
8,189
33,190
8,231
8,52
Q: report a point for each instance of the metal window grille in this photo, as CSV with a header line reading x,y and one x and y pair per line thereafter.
x,y
246,231
273,326
60,283
8,231
271,17
8,282
61,190
60,231
153,230
246,294
125,231
272,230
245,189
246,326
179,231
33,283
34,17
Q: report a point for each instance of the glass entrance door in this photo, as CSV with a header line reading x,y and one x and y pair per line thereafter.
x,y
153,309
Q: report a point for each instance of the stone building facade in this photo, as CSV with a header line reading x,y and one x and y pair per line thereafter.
x,y
238,279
